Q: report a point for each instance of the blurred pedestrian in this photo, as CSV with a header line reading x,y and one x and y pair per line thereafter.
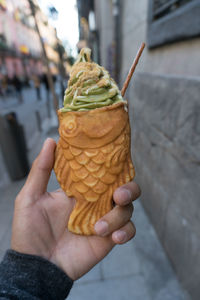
x,y
4,84
18,87
46,84
36,81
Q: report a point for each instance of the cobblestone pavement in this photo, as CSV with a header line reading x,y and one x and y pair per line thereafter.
x,y
137,270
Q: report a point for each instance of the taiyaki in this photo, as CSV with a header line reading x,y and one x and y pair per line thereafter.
x,y
92,156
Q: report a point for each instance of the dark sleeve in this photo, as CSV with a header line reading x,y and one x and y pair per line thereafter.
x,y
30,277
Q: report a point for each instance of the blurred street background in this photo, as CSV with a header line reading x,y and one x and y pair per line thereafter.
x,y
39,42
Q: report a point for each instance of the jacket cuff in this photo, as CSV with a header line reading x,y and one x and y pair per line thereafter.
x,y
36,275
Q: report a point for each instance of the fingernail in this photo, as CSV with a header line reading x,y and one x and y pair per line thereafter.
x,y
44,145
120,236
101,228
46,142
127,196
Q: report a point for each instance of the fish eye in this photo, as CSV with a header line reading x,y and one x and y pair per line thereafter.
x,y
69,126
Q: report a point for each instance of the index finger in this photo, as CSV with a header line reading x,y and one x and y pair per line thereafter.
x,y
126,193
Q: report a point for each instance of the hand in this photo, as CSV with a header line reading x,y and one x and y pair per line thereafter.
x,y
40,220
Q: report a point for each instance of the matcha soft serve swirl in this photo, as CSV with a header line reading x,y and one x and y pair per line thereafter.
x,y
90,86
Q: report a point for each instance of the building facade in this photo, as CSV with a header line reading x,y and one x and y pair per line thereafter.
x,y
164,112
88,33
20,48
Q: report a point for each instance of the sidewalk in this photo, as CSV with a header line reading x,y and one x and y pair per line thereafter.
x,y
32,114
138,270
26,111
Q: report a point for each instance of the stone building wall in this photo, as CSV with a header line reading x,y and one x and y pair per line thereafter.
x,y
164,97
164,114
105,26
179,58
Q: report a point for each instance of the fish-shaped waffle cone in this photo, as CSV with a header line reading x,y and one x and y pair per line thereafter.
x,y
92,159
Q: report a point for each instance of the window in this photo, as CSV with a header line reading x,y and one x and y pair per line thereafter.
x,y
172,20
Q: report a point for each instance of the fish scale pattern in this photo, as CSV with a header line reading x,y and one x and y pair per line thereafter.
x,y
91,176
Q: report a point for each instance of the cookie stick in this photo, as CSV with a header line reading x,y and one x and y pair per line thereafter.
x,y
132,69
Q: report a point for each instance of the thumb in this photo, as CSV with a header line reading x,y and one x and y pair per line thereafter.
x,y
39,175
